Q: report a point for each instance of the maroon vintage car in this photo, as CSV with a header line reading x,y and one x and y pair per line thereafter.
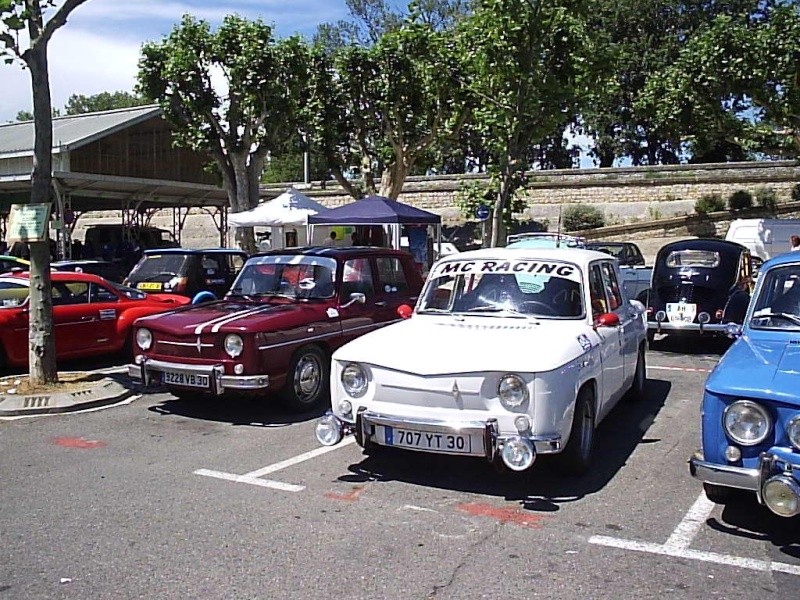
x,y
284,315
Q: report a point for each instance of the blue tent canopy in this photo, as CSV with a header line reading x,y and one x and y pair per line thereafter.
x,y
374,210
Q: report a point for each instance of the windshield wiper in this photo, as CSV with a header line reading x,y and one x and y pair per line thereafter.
x,y
781,315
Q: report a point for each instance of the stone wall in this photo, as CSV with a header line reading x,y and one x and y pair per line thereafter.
x,y
626,195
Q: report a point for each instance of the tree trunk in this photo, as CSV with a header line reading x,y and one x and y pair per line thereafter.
x,y
245,236
392,180
41,342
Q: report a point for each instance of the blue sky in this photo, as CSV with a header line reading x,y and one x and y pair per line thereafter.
x,y
98,48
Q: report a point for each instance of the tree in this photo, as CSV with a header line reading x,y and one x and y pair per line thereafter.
x,y
17,16
384,107
235,93
528,63
79,104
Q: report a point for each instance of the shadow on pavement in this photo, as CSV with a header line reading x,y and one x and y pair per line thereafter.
x,y
542,488
692,345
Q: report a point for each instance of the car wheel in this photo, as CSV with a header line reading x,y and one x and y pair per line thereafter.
x,y
636,391
307,383
576,457
719,494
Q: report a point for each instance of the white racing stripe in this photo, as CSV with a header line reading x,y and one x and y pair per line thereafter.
x,y
242,313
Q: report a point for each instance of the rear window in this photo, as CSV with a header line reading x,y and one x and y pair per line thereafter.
x,y
153,265
693,258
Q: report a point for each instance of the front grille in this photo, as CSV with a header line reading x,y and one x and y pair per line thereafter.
x,y
186,346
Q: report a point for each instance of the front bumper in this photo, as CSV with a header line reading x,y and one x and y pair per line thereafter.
x,y
772,463
365,429
151,370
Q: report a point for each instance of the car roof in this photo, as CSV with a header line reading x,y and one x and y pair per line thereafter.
x,y
194,251
704,244
596,244
333,252
14,258
781,259
58,276
80,261
578,256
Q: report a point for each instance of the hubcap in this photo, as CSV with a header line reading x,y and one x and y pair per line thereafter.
x,y
307,377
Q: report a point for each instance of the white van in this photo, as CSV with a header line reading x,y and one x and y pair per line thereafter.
x,y
764,237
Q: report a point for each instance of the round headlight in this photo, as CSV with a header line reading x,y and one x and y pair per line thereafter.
x,y
518,453
354,380
233,345
328,430
144,339
512,391
793,431
746,422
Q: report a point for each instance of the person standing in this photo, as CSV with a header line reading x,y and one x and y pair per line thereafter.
x,y
331,241
795,243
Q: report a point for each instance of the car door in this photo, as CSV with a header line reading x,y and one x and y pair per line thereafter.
x,y
73,322
392,288
610,339
620,306
357,318
104,309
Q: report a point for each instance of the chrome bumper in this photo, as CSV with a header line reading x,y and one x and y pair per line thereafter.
x,y
364,430
658,327
218,381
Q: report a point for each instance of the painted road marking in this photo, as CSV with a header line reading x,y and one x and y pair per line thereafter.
x,y
254,477
678,544
688,369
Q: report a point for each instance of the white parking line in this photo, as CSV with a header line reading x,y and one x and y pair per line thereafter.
x,y
254,477
678,544
688,369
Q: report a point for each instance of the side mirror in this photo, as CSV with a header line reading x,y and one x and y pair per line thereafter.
x,y
404,311
733,330
355,297
607,320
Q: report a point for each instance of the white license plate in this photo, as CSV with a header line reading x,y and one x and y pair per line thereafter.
x,y
681,312
185,379
426,440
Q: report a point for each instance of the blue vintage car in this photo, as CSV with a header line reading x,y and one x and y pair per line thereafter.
x,y
751,404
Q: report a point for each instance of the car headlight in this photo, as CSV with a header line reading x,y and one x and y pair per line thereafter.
x,y
793,431
144,339
354,380
233,345
512,391
746,422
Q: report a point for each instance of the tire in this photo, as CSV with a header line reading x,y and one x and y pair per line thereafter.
x,y
636,392
576,458
307,385
651,339
719,494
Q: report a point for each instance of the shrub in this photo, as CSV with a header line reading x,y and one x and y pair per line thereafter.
x,y
709,203
766,198
740,199
577,217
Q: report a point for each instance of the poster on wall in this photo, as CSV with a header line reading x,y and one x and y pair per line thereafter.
x,y
28,222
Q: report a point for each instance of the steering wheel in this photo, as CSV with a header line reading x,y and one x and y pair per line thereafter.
x,y
538,306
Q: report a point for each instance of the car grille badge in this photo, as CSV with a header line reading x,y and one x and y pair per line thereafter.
x,y
199,346
456,392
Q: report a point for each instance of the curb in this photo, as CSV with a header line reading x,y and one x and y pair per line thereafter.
x,y
103,392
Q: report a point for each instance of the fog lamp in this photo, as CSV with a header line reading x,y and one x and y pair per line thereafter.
x,y
518,453
345,407
238,369
793,431
661,316
782,496
719,314
703,318
329,430
522,423
733,454
139,359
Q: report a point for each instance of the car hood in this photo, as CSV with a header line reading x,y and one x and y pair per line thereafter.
x,y
224,316
428,345
755,368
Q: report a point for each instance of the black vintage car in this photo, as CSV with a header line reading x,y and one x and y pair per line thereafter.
x,y
698,286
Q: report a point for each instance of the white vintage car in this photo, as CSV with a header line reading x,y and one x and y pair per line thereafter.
x,y
509,353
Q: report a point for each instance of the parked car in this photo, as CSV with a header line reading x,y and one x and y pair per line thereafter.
x,y
532,350
287,311
764,238
544,239
698,286
751,403
91,316
209,272
636,275
12,263
102,268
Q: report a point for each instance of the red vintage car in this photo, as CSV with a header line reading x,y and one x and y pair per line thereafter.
x,y
284,315
91,316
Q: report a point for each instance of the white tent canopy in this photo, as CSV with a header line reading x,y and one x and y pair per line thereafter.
x,y
291,208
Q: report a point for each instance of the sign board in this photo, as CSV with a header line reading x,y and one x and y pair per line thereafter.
x,y
482,212
28,222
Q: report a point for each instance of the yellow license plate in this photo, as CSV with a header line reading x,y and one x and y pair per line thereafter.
x,y
148,285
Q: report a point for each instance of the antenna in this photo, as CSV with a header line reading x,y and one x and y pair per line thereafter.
x,y
558,230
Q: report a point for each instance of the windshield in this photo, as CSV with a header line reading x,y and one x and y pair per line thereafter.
x,y
128,292
692,258
294,276
778,303
614,250
522,287
159,267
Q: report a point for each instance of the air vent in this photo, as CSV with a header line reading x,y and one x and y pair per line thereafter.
x,y
36,402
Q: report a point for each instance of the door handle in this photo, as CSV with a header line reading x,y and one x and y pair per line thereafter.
x,y
381,303
87,318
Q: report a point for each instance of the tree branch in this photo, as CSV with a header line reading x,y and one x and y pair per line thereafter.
x,y
57,20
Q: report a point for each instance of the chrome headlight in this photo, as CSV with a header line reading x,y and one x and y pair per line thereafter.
x,y
144,339
793,431
233,345
354,380
512,391
746,422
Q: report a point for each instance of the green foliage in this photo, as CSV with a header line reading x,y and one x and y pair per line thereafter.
x,y
288,166
766,198
740,199
709,203
80,104
471,194
577,217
